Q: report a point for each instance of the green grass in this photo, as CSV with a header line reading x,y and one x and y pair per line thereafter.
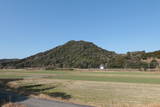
x,y
128,77
109,79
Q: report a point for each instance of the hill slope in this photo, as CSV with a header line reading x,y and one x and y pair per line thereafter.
x,y
82,54
155,54
7,60
76,54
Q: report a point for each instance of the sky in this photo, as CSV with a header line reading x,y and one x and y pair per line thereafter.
x,y
28,27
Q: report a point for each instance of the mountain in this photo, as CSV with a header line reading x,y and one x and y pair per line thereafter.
x,y
138,59
155,54
82,54
73,54
7,60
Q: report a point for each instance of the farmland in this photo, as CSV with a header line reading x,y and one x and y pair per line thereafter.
x,y
92,88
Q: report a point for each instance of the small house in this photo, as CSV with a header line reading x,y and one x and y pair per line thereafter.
x,y
101,66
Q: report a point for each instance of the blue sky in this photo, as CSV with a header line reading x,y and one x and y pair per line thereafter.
x,y
31,26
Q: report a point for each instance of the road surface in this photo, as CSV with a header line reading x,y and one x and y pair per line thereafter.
x,y
32,102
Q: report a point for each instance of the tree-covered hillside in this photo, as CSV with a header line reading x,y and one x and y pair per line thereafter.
x,y
82,54
7,60
155,54
73,54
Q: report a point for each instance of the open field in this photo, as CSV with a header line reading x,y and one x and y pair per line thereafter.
x,y
101,89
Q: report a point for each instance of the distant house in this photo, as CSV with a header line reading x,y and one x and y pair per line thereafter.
x,y
101,66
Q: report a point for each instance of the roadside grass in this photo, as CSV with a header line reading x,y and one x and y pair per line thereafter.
x,y
13,105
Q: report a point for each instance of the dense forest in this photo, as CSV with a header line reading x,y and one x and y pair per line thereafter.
x,y
82,54
7,60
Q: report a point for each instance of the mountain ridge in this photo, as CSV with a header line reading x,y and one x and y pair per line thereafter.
x,y
82,54
77,54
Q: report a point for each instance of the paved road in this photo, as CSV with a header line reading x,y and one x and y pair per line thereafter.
x,y
31,102
34,102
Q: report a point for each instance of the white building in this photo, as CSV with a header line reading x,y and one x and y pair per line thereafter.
x,y
101,66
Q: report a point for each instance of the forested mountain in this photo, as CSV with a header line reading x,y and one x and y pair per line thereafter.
x,y
7,60
73,54
82,54
155,54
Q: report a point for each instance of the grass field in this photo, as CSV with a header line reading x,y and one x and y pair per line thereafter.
x,y
93,88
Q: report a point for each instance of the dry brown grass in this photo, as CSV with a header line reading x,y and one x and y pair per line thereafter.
x,y
133,105
109,105
97,93
13,105
101,94
112,104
